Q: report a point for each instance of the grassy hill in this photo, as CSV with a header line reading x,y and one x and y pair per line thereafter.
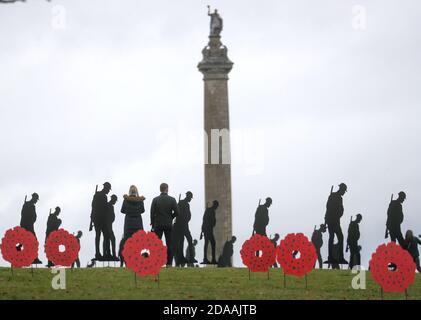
x,y
190,283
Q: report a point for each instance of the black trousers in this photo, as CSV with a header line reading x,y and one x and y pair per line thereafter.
x,y
209,238
159,231
334,228
109,239
354,256
396,234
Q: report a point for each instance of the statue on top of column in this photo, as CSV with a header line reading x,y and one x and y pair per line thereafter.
x,y
216,23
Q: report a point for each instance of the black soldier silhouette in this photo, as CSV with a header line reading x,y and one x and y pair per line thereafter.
x,y
164,209
317,240
352,242
395,219
334,212
181,229
53,223
411,244
29,216
209,222
191,254
274,241
109,237
99,216
225,259
133,207
261,218
77,261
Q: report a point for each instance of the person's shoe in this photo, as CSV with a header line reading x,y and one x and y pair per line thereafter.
x,y
115,258
37,261
205,261
98,257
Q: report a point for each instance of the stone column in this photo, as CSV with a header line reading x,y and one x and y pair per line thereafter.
x,y
215,67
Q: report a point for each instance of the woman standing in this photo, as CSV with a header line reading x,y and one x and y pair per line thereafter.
x,y
133,208
411,244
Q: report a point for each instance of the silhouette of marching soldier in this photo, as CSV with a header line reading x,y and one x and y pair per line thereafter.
x,y
29,216
191,254
181,229
209,222
261,219
77,261
395,219
98,218
334,212
227,252
53,223
317,240
352,242
274,241
163,211
133,207
109,237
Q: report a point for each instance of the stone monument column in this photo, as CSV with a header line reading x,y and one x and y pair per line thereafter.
x,y
215,67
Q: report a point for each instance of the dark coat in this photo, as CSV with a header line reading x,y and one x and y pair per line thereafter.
x,y
209,220
110,214
227,252
184,214
28,216
394,214
353,233
317,238
133,208
163,210
261,218
53,223
99,207
334,208
412,247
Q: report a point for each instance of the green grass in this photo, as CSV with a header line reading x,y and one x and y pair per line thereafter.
x,y
190,283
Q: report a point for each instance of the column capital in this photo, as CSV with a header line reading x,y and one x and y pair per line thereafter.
x,y
215,63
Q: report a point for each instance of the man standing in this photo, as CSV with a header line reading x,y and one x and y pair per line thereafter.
x,y
317,240
110,254
98,216
352,242
395,219
29,216
209,222
53,223
181,229
334,212
261,219
163,210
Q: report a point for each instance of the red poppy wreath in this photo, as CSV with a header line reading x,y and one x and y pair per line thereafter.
x,y
145,253
52,248
296,254
258,262
392,267
19,247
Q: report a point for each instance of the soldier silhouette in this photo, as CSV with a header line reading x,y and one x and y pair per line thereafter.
x,y
317,240
99,216
109,237
29,216
261,219
163,211
191,254
77,261
334,212
395,219
209,222
227,252
274,241
352,242
181,229
53,223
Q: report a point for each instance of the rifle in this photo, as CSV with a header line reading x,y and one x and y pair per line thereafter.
x,y
347,244
179,197
386,233
91,224
25,199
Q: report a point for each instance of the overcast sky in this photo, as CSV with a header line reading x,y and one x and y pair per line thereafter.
x,y
113,94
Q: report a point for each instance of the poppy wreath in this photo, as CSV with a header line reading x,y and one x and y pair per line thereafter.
x,y
28,252
52,248
265,260
403,273
287,250
136,258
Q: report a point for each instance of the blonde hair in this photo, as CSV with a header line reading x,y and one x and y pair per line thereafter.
x,y
133,191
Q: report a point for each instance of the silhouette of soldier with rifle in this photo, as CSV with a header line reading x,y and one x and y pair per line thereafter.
x,y
334,212
181,229
352,242
29,216
317,240
395,219
227,252
261,219
53,223
209,222
98,217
